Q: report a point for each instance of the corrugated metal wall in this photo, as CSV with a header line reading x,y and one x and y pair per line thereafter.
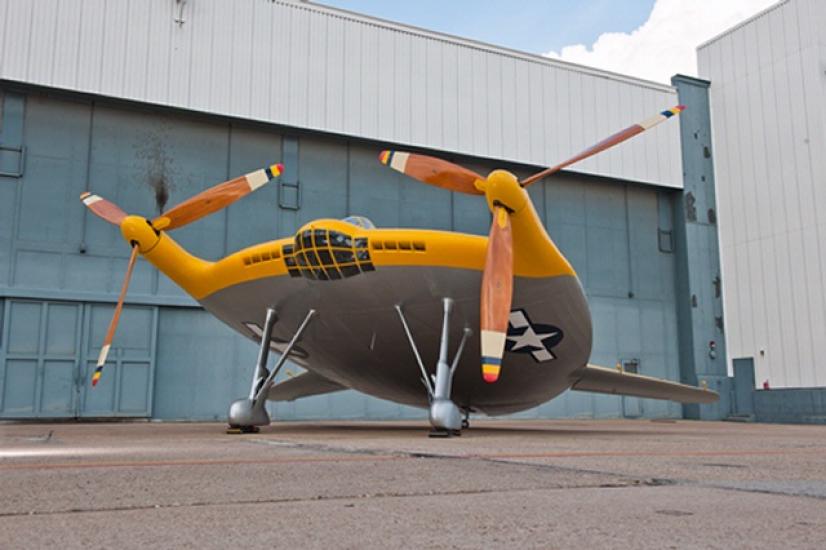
x,y
308,66
768,82
53,250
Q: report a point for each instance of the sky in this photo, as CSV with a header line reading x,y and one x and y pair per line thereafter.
x,y
651,39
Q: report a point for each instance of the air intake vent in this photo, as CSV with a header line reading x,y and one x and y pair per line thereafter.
x,y
263,256
402,246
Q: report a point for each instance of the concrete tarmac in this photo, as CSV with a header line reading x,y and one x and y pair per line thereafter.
x,y
503,484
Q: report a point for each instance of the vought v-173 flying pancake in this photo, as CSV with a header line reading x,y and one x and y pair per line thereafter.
x,y
367,308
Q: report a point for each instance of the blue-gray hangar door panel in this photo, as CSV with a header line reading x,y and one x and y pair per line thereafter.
x,y
48,353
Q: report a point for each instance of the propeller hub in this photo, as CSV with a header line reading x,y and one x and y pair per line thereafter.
x,y
136,229
503,189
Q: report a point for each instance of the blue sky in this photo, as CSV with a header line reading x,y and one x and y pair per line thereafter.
x,y
535,26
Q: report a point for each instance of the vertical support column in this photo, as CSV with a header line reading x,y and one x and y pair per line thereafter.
x,y
698,280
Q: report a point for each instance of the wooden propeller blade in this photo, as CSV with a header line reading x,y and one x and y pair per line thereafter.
x,y
102,208
497,294
113,324
608,142
215,198
434,171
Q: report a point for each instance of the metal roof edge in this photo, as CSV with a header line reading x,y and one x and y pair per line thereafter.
x,y
477,44
742,23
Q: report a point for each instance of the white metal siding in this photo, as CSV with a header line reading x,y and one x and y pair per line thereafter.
x,y
308,66
768,78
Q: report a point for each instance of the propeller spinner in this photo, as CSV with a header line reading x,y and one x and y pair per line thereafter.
x,y
505,197
192,209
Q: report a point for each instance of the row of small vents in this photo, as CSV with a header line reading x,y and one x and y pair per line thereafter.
x,y
415,246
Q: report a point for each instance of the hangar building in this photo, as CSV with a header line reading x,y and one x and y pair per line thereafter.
x,y
774,201
147,103
768,79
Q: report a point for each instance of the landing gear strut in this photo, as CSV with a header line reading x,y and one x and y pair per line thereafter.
x,y
246,415
445,417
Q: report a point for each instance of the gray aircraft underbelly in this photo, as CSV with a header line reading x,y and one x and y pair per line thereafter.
x,y
357,339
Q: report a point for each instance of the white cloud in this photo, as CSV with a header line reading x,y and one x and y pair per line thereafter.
x,y
666,43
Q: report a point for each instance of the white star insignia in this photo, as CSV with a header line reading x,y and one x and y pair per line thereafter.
x,y
530,339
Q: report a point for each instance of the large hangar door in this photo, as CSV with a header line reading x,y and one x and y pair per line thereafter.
x,y
125,390
40,350
48,352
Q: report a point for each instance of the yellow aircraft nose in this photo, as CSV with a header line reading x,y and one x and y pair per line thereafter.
x,y
503,189
136,229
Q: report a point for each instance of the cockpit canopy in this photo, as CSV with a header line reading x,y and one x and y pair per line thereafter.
x,y
359,221
328,249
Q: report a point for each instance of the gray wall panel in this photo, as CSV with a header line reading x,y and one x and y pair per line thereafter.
x,y
202,366
247,221
55,172
323,190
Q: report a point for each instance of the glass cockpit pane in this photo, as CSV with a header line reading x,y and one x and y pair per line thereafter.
x,y
360,221
320,237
